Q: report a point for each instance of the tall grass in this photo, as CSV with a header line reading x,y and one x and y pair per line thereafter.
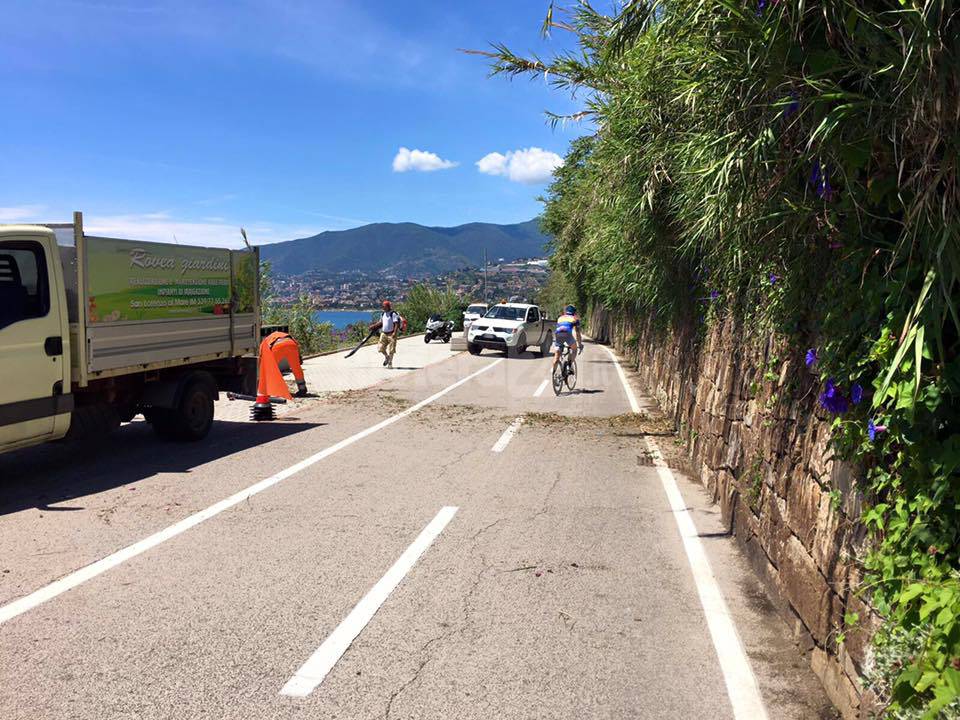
x,y
812,147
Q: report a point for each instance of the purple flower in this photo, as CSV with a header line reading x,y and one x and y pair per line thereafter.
x,y
811,356
714,294
832,399
873,430
773,278
856,393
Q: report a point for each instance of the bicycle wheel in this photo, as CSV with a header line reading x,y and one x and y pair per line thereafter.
x,y
571,375
558,377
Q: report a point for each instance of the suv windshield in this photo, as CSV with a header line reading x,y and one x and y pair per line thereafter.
x,y
502,312
477,309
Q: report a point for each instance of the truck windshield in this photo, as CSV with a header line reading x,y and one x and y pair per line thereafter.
x,y
477,309
502,312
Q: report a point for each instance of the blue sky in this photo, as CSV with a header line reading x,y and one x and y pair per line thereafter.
x,y
186,117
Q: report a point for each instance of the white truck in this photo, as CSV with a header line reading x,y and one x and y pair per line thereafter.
x,y
511,328
95,330
474,311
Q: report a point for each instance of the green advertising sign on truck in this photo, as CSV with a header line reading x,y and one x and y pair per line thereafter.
x,y
155,281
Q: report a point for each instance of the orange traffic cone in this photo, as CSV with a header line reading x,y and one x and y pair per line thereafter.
x,y
262,409
269,384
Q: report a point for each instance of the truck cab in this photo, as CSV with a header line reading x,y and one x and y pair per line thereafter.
x,y
35,397
96,330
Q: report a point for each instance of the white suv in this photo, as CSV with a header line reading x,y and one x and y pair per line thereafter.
x,y
473,312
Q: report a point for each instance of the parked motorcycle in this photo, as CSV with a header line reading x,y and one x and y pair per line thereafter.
x,y
439,329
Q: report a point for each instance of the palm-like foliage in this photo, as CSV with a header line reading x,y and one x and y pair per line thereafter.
x,y
815,145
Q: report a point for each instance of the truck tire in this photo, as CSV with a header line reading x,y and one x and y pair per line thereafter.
x,y
90,422
194,415
191,420
473,349
163,422
545,345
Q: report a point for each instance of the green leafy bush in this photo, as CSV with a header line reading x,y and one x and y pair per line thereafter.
x,y
423,301
795,164
312,336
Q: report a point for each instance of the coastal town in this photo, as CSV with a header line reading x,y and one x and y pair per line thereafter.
x,y
361,290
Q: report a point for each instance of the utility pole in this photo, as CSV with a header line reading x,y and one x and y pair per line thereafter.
x,y
485,298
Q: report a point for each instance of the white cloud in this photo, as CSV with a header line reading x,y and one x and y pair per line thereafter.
x,y
420,160
492,164
22,213
530,165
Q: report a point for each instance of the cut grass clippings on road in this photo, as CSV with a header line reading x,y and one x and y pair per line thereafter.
x,y
626,425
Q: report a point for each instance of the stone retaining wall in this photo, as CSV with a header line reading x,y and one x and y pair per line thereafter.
x,y
746,407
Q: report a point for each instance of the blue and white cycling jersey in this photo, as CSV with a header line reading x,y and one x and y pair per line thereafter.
x,y
566,324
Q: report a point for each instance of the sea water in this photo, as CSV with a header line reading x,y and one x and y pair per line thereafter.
x,y
340,319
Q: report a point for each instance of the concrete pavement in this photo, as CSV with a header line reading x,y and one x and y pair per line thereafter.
x,y
559,589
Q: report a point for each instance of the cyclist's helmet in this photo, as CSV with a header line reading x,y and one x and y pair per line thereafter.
x,y
570,310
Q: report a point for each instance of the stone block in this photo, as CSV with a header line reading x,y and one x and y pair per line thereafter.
x,y
733,457
727,496
803,508
837,685
870,706
746,525
828,537
819,454
857,641
806,589
774,532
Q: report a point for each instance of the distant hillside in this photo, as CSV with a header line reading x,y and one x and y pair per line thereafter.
x,y
405,248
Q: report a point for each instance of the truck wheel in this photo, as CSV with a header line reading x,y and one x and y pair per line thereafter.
x,y
473,349
545,346
90,422
163,422
190,420
194,415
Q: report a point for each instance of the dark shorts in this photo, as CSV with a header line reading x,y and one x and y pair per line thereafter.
x,y
561,339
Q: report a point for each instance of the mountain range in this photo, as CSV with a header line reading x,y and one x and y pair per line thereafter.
x,y
406,249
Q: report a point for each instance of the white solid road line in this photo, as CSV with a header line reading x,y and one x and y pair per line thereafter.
x,y
315,669
742,688
543,386
501,444
631,398
68,582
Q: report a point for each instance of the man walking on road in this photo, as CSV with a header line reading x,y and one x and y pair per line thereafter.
x,y
389,328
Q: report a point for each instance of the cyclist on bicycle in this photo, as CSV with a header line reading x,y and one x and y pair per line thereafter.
x,y
567,333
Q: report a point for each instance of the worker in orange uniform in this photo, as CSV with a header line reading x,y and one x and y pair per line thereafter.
x,y
279,347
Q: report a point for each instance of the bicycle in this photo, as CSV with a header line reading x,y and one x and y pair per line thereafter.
x,y
564,372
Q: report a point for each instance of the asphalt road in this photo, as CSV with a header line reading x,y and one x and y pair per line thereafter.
x,y
559,588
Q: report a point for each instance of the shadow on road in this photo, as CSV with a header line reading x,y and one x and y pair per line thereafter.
x,y
41,476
